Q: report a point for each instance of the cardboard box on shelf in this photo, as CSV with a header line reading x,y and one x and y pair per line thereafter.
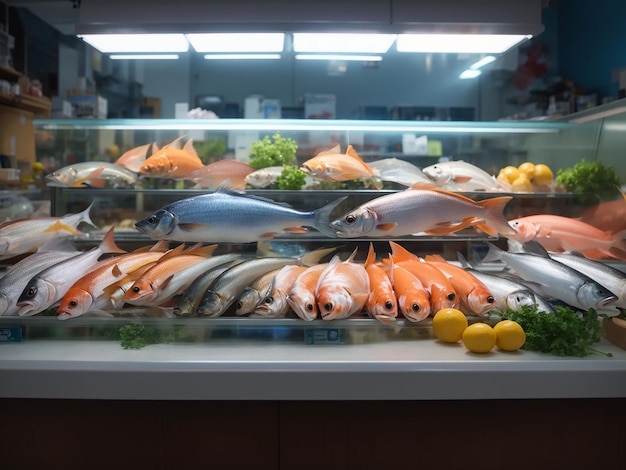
x,y
18,134
89,106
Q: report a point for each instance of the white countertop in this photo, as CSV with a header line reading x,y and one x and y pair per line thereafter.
x,y
412,369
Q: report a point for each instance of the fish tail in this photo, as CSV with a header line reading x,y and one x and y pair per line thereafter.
x,y
495,222
314,257
494,253
322,217
85,217
107,245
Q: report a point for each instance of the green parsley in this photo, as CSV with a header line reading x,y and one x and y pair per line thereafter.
x,y
292,177
564,333
594,181
136,336
264,152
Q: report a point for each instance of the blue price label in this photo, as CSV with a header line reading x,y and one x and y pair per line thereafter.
x,y
11,334
325,336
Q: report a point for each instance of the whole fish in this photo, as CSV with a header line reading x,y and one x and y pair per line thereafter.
x,y
264,177
554,279
558,233
253,294
230,217
422,209
172,162
441,291
86,294
381,303
49,286
611,278
215,174
342,289
188,302
413,300
26,235
94,174
17,276
133,158
332,165
274,304
301,296
462,176
399,171
475,297
506,292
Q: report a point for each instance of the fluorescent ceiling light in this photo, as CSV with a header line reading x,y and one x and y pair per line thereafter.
x,y
143,56
163,43
237,42
241,56
458,43
482,62
363,58
343,42
469,73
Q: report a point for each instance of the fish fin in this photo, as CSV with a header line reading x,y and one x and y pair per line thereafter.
x,y
201,250
116,271
451,228
269,235
435,258
107,245
190,149
360,298
494,253
353,255
462,179
617,252
464,263
314,257
58,226
371,255
176,143
483,227
96,183
322,217
295,230
535,248
173,252
58,244
424,185
400,253
386,227
334,149
496,220
191,227
390,272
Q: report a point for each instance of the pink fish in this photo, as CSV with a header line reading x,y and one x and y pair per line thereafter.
x,y
217,173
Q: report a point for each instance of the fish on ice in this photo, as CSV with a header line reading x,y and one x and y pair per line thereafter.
x,y
458,175
92,174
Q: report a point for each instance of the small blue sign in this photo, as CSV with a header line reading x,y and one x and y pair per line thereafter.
x,y
12,334
325,336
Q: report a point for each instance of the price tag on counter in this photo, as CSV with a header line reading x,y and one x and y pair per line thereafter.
x,y
325,336
11,334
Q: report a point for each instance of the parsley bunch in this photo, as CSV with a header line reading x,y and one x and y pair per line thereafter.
x,y
564,333
595,181
292,177
136,336
264,152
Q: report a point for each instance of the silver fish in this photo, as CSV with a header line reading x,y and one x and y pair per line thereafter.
x,y
50,285
264,177
91,174
399,171
462,176
554,279
253,294
17,277
230,217
274,304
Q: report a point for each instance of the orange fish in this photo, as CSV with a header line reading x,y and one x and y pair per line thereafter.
x,y
413,300
342,289
441,290
217,173
275,304
133,159
172,162
381,303
558,233
332,165
475,297
301,296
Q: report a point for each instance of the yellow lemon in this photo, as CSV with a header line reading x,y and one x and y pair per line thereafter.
x,y
479,338
522,185
510,335
449,324
543,175
528,169
113,150
510,172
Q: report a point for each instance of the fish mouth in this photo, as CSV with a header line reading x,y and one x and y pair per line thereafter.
x,y
64,316
27,309
607,300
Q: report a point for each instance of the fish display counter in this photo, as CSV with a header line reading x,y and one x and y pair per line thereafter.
x,y
282,260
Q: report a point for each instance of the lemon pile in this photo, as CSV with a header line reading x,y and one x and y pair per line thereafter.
x,y
450,325
527,177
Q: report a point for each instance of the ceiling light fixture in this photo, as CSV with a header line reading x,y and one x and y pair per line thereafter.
x,y
459,43
130,43
342,43
237,42
362,58
469,73
241,56
143,56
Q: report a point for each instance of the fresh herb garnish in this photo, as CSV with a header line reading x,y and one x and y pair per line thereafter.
x,y
292,177
136,336
264,152
564,333
595,181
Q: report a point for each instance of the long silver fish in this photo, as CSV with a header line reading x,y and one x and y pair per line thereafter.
x,y
97,174
230,217
274,304
554,279
253,294
399,171
13,282
50,285
463,176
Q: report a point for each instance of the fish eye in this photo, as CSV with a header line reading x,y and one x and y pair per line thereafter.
x,y
350,219
490,299
152,219
73,303
136,289
437,169
309,307
238,305
415,307
269,299
389,305
32,291
451,296
328,306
